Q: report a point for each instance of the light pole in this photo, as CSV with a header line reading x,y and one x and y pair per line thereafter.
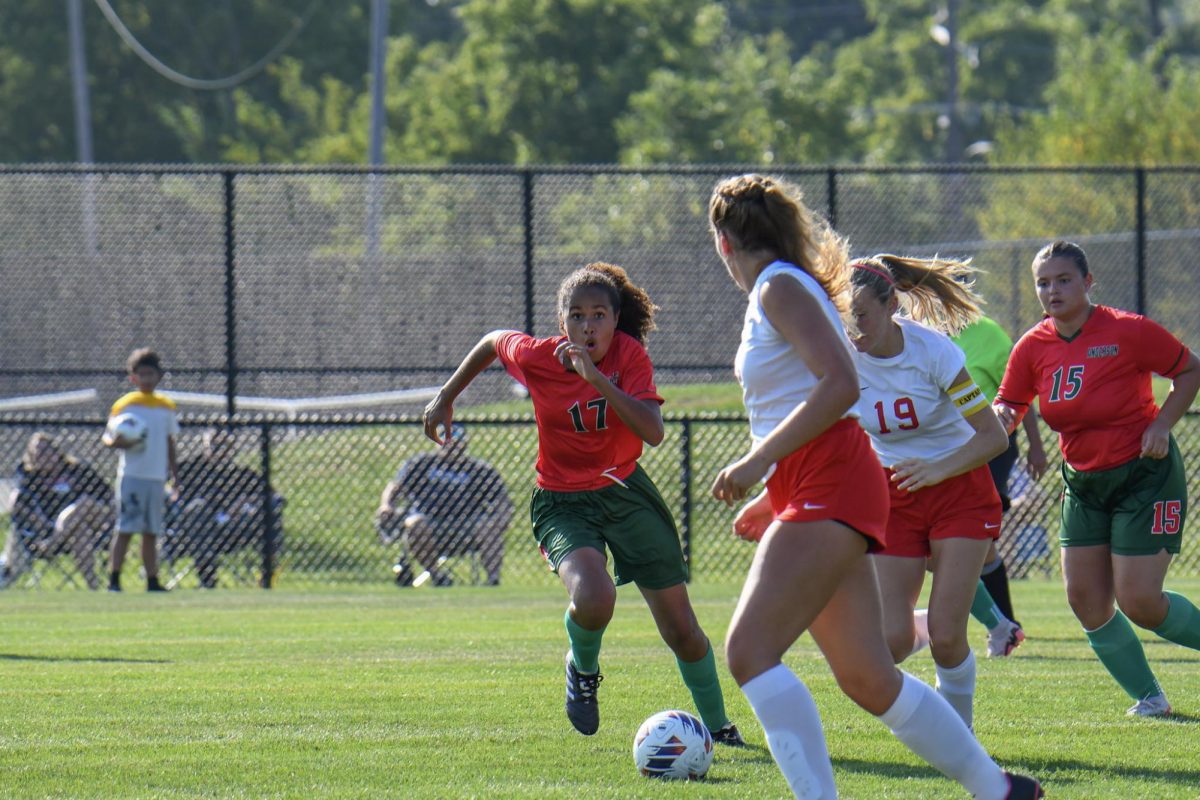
x,y
378,58
79,87
945,33
83,121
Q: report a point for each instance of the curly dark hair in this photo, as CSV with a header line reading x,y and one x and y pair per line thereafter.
x,y
630,302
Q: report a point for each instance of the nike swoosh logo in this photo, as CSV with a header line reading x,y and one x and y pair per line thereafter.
x,y
989,527
811,507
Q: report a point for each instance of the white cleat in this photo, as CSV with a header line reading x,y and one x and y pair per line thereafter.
x,y
1004,638
1155,705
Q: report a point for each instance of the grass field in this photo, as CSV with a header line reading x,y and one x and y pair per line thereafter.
x,y
458,693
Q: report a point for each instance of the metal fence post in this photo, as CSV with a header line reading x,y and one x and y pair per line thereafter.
x,y
527,217
230,305
685,480
831,190
1140,237
269,545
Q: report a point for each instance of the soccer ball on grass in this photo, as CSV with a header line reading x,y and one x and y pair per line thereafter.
x,y
674,745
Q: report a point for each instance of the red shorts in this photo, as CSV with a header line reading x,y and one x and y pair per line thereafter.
x,y
963,507
834,477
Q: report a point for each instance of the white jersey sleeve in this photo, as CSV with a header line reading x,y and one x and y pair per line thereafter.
x,y
904,403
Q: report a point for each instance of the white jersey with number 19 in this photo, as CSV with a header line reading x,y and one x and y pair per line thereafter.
x,y
905,404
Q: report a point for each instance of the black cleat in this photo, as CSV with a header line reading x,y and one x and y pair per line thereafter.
x,y
728,735
582,708
1022,787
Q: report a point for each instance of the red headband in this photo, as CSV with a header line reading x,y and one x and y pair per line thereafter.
x,y
871,268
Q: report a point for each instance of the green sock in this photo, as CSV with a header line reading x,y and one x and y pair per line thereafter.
x,y
1182,625
585,646
1121,653
700,677
983,607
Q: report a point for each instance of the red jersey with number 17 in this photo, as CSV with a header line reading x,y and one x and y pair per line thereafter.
x,y
1093,389
582,443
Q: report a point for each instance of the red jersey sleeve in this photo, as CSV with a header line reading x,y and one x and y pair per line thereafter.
x,y
513,349
1018,387
637,373
1158,351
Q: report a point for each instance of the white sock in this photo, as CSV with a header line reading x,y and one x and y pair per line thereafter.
x,y
928,726
921,625
789,717
957,685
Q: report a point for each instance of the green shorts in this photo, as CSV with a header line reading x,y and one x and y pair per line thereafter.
x,y
632,520
1137,508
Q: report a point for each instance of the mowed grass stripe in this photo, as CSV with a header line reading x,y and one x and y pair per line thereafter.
x,y
458,693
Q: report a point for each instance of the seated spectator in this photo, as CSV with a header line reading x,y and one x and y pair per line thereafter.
x,y
218,510
445,503
60,506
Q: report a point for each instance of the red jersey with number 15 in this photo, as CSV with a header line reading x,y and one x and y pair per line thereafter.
x,y
1093,389
582,443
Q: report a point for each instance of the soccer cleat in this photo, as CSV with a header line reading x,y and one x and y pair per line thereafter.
x,y
1004,638
728,735
582,708
1022,787
1155,705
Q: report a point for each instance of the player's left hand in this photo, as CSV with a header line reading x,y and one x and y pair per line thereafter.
x,y
1036,463
575,357
1156,441
912,474
753,519
733,483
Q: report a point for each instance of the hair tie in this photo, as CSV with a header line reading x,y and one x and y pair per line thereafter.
x,y
872,268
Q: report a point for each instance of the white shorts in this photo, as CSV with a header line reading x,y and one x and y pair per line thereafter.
x,y
140,506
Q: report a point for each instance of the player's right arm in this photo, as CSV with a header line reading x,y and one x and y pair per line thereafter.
x,y
1018,389
802,323
440,411
387,501
119,442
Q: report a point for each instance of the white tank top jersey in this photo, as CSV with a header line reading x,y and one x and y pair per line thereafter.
x,y
774,378
158,412
905,404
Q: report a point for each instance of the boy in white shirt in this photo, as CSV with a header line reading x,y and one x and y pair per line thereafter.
x,y
144,467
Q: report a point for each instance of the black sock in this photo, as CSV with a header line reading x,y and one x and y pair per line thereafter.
x,y
995,578
114,579
152,582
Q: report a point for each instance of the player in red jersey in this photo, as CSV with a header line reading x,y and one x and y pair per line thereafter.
x,y
595,403
1125,495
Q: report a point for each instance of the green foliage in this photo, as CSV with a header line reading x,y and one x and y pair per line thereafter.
x,y
1134,108
635,81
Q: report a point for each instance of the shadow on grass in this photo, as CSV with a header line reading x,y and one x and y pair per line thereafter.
x,y
1048,771
750,753
98,659
1156,659
1051,772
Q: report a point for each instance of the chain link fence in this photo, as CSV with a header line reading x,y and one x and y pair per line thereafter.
x,y
295,283
321,482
